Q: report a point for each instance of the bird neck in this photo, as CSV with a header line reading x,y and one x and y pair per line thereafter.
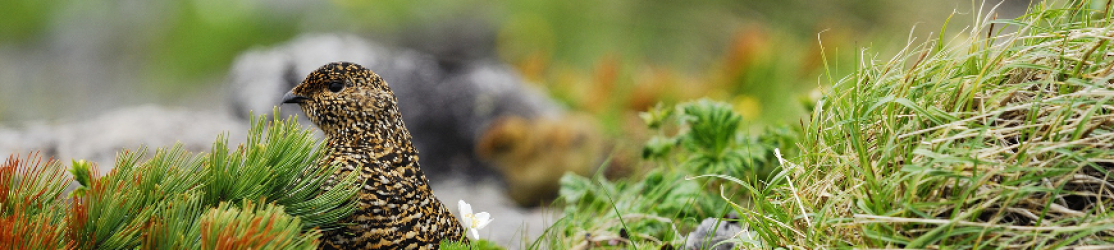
x,y
370,133
384,150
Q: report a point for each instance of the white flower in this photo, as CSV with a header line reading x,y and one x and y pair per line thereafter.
x,y
474,222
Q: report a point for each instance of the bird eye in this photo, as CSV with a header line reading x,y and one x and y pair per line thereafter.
x,y
336,86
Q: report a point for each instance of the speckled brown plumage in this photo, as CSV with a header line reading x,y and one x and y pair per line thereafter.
x,y
365,133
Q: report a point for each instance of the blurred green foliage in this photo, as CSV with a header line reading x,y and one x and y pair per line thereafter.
x,y
197,39
22,20
206,35
679,34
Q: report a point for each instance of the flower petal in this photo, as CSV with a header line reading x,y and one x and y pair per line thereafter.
x,y
466,221
482,219
474,233
465,209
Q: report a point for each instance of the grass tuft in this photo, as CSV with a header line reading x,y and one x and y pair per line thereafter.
x,y
993,141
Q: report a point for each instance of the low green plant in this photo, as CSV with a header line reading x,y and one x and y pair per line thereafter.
x,y
659,206
265,194
709,141
250,226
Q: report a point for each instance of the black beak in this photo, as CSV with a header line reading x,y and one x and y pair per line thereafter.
x,y
290,97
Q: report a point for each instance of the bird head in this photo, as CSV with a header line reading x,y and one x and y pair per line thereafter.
x,y
343,97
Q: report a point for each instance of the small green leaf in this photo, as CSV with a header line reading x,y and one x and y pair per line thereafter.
x,y
81,173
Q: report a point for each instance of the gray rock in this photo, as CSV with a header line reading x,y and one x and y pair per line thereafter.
x,y
446,109
713,233
100,138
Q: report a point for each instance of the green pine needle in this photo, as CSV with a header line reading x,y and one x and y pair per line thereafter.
x,y
159,203
253,226
29,193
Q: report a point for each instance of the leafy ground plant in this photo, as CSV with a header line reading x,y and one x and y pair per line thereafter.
x,y
657,208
